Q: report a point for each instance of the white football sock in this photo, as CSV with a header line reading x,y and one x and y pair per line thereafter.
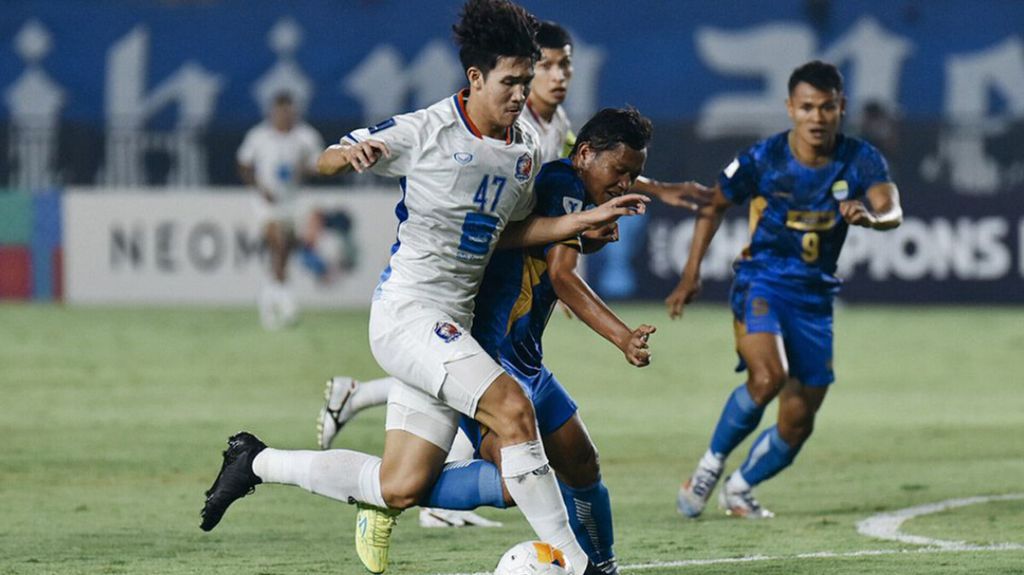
x,y
372,393
737,483
340,474
712,461
531,483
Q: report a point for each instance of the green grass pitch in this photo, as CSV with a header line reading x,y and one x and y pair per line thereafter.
x,y
112,422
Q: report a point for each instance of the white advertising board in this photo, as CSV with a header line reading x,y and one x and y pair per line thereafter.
x,y
147,246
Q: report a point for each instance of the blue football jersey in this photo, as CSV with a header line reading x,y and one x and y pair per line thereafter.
x,y
516,297
795,226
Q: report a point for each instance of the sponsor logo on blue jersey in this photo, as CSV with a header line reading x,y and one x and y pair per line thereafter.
x,y
524,167
447,331
572,205
840,190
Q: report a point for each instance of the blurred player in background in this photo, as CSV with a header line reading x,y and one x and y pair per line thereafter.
x,y
275,157
806,186
467,170
518,293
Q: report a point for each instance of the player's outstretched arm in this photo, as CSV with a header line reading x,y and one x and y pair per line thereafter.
x,y
687,195
885,213
341,158
587,306
540,230
709,218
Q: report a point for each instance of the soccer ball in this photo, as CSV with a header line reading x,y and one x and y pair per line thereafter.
x,y
533,558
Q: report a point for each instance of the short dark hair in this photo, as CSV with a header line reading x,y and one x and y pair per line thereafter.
x,y
614,126
551,35
283,99
490,29
821,75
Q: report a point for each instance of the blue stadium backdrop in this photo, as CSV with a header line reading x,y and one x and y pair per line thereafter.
x,y
153,93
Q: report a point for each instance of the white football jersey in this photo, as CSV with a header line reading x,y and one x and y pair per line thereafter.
x,y
459,190
553,134
279,158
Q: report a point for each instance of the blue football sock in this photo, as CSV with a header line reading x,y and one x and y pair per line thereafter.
x,y
466,485
313,261
739,418
590,516
769,455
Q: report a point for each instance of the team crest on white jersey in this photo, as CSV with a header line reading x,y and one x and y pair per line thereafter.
x,y
572,205
524,167
447,331
840,190
463,157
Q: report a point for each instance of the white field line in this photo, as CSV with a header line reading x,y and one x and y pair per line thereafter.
x,y
887,525
882,526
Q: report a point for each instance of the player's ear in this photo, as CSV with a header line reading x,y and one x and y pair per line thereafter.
x,y
476,77
585,154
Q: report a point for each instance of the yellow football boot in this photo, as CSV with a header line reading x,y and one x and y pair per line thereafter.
x,y
373,536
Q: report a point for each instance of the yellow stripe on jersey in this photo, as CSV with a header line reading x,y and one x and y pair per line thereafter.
x,y
570,143
757,206
810,221
533,269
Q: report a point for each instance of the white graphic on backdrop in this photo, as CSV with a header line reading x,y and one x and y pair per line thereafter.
x,y
971,81
872,56
285,76
384,85
35,101
129,107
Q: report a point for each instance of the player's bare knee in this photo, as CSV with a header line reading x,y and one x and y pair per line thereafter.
x,y
403,493
517,420
764,384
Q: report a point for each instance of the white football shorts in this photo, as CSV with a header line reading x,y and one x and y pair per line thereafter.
x,y
443,371
282,211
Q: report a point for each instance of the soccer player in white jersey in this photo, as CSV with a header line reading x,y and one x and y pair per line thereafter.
x,y
466,169
274,159
550,86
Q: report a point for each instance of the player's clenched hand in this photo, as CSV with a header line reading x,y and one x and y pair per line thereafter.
x,y
687,195
856,214
605,234
684,293
636,350
364,155
613,209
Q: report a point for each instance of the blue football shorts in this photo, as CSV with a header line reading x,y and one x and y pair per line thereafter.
x,y
803,318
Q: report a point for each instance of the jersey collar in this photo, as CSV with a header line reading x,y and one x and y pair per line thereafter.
x,y
460,107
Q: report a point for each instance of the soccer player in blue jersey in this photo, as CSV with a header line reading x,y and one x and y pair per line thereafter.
x,y
806,186
519,292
